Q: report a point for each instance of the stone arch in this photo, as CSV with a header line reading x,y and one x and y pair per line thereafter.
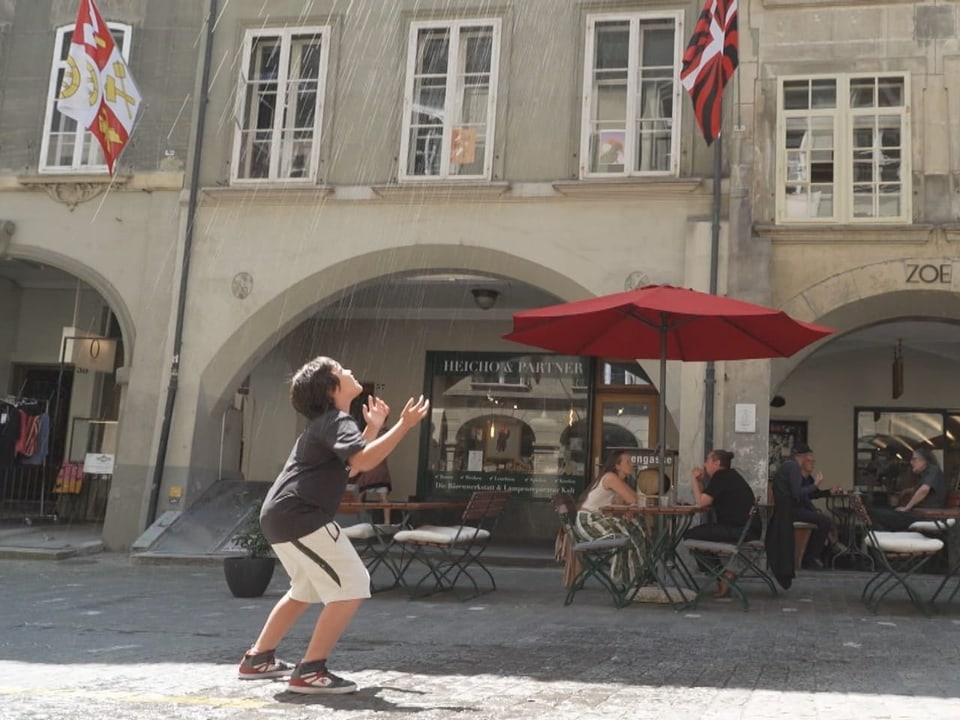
x,y
858,298
90,277
251,341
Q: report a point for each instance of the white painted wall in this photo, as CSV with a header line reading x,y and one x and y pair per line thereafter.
x,y
824,390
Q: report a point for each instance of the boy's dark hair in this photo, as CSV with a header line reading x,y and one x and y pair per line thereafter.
x,y
312,387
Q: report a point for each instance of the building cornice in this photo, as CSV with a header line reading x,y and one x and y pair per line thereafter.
x,y
496,192
75,188
857,234
266,194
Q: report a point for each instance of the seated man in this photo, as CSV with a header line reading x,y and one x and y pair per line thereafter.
x,y
797,474
731,499
929,492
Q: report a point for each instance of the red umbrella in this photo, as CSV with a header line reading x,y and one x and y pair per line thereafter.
x,y
670,323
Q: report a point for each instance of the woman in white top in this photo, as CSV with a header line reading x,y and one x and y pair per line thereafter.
x,y
611,488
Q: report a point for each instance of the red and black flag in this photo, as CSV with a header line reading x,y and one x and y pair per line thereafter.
x,y
709,61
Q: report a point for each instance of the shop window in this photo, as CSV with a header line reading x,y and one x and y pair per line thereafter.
x,y
510,422
631,94
886,439
67,147
844,149
450,100
280,104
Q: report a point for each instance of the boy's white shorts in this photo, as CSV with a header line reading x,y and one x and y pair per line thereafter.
x,y
324,567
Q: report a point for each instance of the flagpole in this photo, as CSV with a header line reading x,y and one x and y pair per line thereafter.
x,y
710,381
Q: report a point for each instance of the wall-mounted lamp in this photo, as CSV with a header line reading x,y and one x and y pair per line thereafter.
x,y
7,229
485,298
897,389
777,401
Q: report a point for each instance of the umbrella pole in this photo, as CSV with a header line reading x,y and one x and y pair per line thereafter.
x,y
662,417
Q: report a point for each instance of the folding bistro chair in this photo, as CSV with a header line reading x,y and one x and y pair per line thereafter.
x,y
897,556
743,559
592,557
451,553
372,542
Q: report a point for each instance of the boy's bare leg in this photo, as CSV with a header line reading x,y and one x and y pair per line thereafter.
x,y
333,620
284,614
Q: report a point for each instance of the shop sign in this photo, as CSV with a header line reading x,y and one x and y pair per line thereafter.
x,y
929,273
536,487
98,464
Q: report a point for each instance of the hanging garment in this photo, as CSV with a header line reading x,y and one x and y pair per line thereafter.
x,y
9,434
43,442
29,433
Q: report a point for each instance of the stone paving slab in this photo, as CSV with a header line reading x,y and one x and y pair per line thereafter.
x,y
102,637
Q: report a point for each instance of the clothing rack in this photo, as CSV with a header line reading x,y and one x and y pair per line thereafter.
x,y
20,480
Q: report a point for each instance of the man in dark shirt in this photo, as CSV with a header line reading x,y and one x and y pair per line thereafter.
x,y
929,492
730,497
727,493
797,475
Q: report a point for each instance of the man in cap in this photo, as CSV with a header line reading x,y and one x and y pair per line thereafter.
x,y
797,474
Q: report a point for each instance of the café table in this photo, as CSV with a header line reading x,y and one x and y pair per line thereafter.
x,y
840,506
396,516
940,516
663,566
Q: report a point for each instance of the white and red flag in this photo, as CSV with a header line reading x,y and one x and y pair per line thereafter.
x,y
98,90
709,61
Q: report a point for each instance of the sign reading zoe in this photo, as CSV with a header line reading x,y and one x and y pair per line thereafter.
x,y
929,273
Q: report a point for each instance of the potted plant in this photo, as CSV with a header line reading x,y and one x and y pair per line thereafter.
x,y
249,575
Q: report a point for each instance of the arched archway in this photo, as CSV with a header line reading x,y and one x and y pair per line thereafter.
x,y
266,328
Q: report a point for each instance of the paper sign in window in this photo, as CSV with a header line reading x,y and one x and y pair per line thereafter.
x,y
463,146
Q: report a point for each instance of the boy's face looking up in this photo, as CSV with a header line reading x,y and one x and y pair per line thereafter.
x,y
349,386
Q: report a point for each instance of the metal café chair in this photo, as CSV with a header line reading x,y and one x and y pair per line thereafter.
x,y
453,553
592,558
898,556
742,559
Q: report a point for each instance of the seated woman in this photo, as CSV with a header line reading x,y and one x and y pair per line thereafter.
x,y
731,498
611,488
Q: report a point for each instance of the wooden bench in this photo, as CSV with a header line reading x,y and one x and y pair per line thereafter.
x,y
801,538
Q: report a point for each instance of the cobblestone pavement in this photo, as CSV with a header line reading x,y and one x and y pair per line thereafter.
x,y
101,637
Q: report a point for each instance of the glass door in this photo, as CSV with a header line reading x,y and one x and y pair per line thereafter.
x,y
623,420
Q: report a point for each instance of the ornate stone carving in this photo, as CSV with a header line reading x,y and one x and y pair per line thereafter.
x,y
73,190
72,194
242,285
635,279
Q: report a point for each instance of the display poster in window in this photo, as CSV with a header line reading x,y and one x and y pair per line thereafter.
x,y
510,422
784,435
463,146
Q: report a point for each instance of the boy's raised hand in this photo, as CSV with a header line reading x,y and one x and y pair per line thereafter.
x,y
414,411
375,411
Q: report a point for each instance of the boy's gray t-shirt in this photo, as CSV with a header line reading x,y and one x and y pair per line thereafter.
x,y
306,494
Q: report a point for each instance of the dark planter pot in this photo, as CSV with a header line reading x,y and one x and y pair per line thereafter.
x,y
248,577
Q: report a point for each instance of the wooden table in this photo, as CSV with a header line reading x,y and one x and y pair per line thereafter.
x,y
953,571
664,567
404,507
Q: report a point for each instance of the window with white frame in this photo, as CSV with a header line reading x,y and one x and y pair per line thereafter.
x,y
844,149
65,146
280,104
450,100
631,93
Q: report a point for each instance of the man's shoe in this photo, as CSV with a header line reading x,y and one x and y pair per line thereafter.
x,y
314,679
263,665
815,564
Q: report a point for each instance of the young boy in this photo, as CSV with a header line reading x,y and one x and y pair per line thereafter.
x,y
297,519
